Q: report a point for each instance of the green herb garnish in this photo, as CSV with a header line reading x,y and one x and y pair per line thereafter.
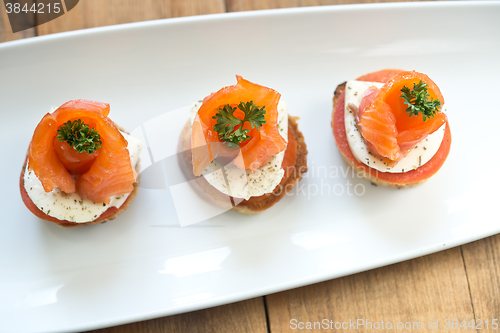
x,y
418,101
227,121
79,136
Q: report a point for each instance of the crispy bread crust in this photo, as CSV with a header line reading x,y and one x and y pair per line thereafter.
x,y
340,89
216,197
109,217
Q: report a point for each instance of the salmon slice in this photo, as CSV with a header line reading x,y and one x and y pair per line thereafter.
x,y
384,122
76,163
381,76
110,171
366,100
264,143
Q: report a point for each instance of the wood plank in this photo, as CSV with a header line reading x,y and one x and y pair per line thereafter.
x,y
243,5
433,287
246,316
482,262
6,33
98,13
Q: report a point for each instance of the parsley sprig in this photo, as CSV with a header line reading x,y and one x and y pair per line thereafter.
x,y
418,101
227,121
79,136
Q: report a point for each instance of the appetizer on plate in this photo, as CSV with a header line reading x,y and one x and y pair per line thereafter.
x,y
244,146
80,168
391,127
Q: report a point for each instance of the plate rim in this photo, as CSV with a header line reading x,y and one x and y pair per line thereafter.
x,y
246,14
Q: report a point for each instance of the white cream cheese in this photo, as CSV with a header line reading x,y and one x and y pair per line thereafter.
x,y
72,207
244,184
421,153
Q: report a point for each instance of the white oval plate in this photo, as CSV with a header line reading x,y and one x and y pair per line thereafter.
x,y
144,265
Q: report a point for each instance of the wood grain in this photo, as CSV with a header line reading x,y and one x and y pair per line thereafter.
x,y
6,31
243,5
246,316
98,13
482,262
431,287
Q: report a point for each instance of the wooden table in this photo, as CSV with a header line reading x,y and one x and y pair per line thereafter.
x,y
460,283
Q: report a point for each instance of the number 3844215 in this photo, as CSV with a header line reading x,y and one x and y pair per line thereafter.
x,y
473,324
40,8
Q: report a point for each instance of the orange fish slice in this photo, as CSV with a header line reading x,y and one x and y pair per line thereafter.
x,y
386,125
265,142
110,172
381,76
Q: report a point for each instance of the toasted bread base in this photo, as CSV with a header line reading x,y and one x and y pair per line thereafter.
x,y
338,92
211,194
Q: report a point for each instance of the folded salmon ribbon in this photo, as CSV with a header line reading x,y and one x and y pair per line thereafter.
x,y
100,175
265,141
